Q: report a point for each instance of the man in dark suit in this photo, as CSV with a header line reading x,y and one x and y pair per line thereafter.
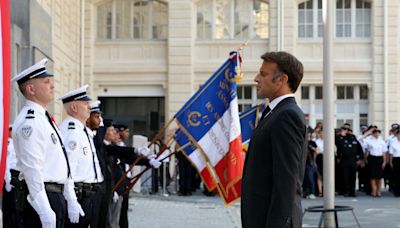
x,y
275,163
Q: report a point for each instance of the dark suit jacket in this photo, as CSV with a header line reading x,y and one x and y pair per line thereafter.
x,y
274,169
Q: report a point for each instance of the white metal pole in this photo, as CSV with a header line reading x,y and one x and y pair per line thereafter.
x,y
82,57
385,69
329,157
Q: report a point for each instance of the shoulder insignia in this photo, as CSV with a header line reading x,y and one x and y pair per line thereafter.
x,y
71,125
26,131
30,114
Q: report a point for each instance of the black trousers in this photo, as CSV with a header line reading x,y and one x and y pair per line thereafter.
x,y
58,205
98,215
349,169
11,217
106,197
185,174
396,176
123,218
87,207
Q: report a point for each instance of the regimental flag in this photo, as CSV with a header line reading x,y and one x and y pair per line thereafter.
x,y
210,119
248,122
197,159
5,85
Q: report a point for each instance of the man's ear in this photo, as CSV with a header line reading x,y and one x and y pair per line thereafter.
x,y
284,79
30,89
74,107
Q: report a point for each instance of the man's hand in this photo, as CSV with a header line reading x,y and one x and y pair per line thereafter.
x,y
115,197
154,163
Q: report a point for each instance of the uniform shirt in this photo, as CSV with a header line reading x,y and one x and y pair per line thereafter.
x,y
80,151
11,162
39,152
394,149
100,177
376,146
389,140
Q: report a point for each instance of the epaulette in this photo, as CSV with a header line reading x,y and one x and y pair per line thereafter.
x,y
30,114
71,125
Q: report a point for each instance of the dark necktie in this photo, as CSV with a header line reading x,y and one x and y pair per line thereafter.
x,y
91,149
265,112
50,119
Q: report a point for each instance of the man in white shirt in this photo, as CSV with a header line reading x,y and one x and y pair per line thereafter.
x,y
85,168
41,154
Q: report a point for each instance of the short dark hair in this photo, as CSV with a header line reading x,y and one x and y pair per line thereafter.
x,y
287,64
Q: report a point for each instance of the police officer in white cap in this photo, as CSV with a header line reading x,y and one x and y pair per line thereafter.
x,y
41,155
85,168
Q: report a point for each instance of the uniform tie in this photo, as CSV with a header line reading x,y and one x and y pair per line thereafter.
x,y
91,149
51,121
265,112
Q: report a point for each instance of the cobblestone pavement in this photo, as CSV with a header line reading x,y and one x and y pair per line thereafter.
x,y
199,211
181,212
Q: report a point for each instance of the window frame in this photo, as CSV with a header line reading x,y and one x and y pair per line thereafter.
x,y
231,26
353,21
147,34
315,22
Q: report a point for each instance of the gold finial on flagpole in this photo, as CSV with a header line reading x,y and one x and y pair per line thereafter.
x,y
243,44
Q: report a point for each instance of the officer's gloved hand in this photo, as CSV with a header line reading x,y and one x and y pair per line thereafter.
x,y
155,163
48,219
151,156
8,186
115,197
42,207
74,210
142,150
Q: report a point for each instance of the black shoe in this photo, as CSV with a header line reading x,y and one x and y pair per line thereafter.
x,y
182,193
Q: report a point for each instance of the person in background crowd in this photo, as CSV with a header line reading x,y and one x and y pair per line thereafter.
x,y
388,174
85,168
123,132
116,155
349,151
185,175
101,199
41,155
319,159
394,162
11,216
317,127
311,169
363,179
376,161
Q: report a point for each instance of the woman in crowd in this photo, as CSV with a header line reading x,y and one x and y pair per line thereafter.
x,y
376,147
319,159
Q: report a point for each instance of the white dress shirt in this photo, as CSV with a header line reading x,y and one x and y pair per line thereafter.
x,y
39,152
376,146
320,145
11,162
277,100
394,148
81,151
